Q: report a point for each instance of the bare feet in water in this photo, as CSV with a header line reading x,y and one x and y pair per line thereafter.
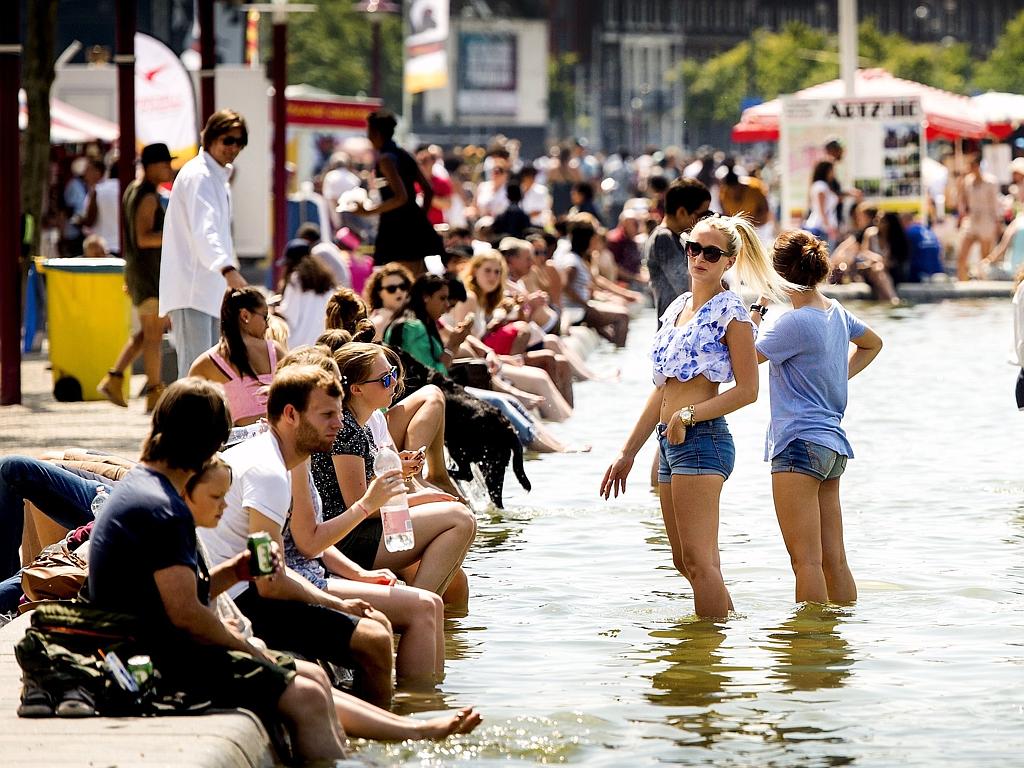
x,y
463,721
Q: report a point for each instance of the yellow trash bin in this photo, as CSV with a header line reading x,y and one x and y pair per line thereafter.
x,y
89,319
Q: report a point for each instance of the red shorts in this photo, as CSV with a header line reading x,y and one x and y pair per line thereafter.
x,y
502,339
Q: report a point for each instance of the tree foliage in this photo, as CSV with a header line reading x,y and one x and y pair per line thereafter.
x,y
333,49
1004,68
798,56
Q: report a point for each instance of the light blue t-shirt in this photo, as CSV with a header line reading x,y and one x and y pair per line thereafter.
x,y
808,354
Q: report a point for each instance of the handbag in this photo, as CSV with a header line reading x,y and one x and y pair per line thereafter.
x,y
55,574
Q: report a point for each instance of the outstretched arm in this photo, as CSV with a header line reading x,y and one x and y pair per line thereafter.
x,y
614,480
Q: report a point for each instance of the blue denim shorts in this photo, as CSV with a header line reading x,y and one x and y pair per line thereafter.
x,y
707,450
810,459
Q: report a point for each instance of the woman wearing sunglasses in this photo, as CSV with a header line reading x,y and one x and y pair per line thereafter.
x,y
808,351
706,339
386,294
415,421
443,528
244,360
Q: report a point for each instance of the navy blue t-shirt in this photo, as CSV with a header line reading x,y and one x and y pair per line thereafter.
x,y
145,527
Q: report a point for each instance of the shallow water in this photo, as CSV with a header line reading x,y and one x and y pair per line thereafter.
x,y
581,646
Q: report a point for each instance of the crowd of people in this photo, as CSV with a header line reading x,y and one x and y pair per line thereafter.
x,y
286,396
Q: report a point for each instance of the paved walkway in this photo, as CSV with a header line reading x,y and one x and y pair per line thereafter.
x,y
41,423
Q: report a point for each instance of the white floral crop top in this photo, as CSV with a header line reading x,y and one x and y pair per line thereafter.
x,y
699,346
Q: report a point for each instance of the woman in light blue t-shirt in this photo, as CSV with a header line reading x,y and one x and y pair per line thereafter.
x,y
808,351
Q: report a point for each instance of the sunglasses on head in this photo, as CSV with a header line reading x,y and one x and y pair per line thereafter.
x,y
708,214
395,288
230,141
386,380
710,253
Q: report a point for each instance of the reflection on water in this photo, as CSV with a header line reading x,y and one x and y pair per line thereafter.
x,y
696,674
575,652
809,652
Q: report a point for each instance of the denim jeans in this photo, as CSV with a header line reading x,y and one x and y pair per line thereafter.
x,y
62,495
192,333
513,410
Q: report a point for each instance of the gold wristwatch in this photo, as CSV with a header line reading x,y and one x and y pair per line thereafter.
x,y
686,416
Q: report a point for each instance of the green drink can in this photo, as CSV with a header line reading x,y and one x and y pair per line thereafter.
x,y
141,668
261,556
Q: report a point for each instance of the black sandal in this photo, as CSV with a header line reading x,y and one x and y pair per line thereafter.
x,y
35,702
77,702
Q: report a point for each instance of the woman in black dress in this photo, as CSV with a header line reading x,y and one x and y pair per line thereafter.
x,y
404,233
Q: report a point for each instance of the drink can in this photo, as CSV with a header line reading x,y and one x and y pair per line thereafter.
x,y
261,556
141,668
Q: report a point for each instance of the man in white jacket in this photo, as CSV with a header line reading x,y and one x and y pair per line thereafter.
x,y
198,261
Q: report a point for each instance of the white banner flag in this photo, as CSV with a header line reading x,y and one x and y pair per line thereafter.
x,y
426,54
165,106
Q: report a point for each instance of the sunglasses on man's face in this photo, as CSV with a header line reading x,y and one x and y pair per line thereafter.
x,y
395,288
386,380
710,253
230,141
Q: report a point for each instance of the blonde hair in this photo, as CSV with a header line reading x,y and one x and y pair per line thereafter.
x,y
753,264
309,354
487,301
278,330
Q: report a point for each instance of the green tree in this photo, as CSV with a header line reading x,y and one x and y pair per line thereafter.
x,y
332,49
37,77
1004,68
939,65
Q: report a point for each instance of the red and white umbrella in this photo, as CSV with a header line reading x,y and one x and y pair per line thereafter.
x,y
70,125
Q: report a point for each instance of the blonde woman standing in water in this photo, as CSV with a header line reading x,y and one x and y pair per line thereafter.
x,y
706,339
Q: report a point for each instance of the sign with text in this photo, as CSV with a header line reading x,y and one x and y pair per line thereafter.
x,y
165,107
426,54
882,143
488,73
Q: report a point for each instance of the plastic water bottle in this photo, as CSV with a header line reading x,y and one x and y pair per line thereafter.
x,y
102,494
394,514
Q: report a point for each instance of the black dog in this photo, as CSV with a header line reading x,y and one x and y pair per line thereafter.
x,y
475,431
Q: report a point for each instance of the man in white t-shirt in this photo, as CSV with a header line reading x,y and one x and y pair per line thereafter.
x,y
337,181
288,612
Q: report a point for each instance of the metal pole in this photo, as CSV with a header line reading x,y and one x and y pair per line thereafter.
x,y
208,60
848,45
280,75
375,22
10,210
125,61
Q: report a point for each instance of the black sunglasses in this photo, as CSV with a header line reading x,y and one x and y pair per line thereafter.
x,y
395,288
386,380
708,214
710,253
230,141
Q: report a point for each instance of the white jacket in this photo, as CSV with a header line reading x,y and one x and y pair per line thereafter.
x,y
197,242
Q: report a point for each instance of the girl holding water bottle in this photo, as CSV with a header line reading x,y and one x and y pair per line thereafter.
x,y
442,528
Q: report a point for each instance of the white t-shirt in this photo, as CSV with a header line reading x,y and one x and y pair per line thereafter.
x,y
829,218
378,425
537,204
305,312
108,213
260,481
491,201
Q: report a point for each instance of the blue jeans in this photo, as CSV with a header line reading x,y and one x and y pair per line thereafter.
x,y
62,495
192,333
809,458
707,450
513,410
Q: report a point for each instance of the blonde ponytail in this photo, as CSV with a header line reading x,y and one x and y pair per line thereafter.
x,y
753,264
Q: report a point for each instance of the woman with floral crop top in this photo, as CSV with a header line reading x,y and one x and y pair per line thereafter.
x,y
706,339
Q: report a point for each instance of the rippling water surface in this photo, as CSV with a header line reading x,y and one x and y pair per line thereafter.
x,y
581,646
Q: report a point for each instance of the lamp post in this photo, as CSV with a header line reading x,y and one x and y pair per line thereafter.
x,y
375,8
280,10
10,211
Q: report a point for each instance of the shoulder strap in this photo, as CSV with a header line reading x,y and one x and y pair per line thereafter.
x,y
222,364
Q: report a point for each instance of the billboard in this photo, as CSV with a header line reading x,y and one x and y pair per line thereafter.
x,y
488,73
884,144
426,54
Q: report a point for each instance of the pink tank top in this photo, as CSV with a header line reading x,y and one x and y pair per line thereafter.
x,y
247,397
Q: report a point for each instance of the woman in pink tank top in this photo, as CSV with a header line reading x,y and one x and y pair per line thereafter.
x,y
244,360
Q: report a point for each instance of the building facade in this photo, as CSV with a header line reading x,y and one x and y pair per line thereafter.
x,y
628,50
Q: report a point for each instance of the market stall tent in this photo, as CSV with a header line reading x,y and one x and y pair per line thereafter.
x,y
947,115
70,125
1003,112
